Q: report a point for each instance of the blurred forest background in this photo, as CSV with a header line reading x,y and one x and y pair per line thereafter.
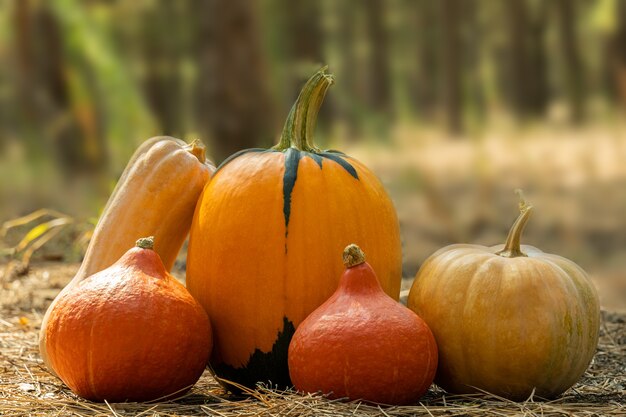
x,y
453,103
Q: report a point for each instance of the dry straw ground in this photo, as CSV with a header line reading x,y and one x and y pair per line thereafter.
x,y
28,389
445,192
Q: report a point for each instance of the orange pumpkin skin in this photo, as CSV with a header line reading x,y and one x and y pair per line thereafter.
x,y
131,332
261,249
155,196
507,322
362,344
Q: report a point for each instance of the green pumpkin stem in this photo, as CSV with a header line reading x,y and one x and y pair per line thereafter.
x,y
145,242
300,124
512,247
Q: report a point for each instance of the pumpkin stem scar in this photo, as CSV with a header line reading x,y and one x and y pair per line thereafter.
x,y
353,256
145,242
512,247
197,149
300,124
238,154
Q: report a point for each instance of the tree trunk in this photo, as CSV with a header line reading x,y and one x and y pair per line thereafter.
x,y
425,77
451,59
538,89
574,79
518,60
346,98
616,56
233,107
304,37
163,51
73,129
379,94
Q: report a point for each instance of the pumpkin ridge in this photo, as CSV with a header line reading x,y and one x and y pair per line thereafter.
x,y
344,164
272,363
238,154
316,157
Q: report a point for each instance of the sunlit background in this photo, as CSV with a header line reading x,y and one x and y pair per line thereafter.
x,y
453,103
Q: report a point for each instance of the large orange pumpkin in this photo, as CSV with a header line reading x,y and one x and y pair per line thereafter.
x,y
264,238
130,332
507,319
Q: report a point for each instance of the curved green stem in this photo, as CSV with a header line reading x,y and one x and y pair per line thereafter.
x,y
512,247
300,124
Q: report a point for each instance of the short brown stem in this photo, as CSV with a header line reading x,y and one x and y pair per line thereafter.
x,y
353,256
197,149
145,242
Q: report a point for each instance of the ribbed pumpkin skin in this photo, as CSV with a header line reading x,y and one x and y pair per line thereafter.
x,y
507,325
130,332
262,258
362,344
155,196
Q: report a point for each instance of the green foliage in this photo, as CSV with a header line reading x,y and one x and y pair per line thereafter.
x,y
98,76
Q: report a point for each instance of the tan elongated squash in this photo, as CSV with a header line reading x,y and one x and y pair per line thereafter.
x,y
155,196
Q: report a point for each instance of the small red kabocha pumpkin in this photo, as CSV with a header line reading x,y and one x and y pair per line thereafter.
x,y
362,344
131,332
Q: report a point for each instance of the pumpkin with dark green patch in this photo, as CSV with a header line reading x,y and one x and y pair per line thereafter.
x,y
264,239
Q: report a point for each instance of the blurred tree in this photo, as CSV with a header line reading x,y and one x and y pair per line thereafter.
x,y
538,88
528,80
305,39
232,105
425,77
574,75
617,54
517,21
163,51
474,100
346,101
51,108
378,80
451,58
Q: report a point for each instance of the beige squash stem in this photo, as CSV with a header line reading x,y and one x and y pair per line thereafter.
x,y
512,247
197,149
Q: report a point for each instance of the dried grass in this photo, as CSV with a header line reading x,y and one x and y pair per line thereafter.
x,y
28,389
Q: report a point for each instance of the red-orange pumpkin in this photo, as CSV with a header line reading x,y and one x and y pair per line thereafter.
x,y
130,332
155,196
362,344
264,238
